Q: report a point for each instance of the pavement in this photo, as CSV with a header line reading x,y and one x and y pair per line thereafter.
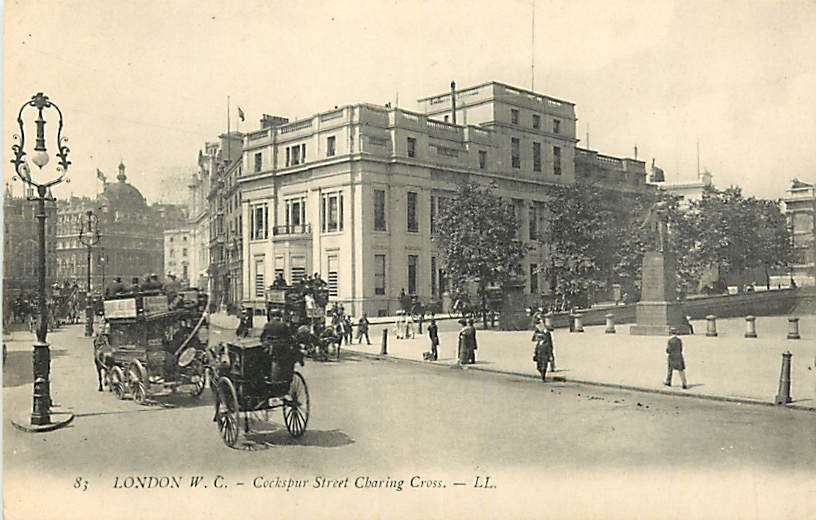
x,y
425,434
728,367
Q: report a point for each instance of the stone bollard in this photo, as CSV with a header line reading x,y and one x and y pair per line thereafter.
x,y
711,326
579,327
750,327
548,320
783,396
793,328
384,347
610,323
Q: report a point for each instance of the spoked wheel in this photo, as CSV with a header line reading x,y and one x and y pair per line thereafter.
x,y
117,382
137,380
199,382
296,406
226,412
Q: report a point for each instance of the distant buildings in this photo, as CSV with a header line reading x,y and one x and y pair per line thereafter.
x,y
20,245
800,207
132,231
690,190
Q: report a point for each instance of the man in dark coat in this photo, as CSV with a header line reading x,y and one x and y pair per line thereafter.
x,y
674,349
433,334
543,352
362,329
404,300
473,345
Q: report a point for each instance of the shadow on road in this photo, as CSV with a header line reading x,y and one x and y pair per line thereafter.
x,y
276,435
18,370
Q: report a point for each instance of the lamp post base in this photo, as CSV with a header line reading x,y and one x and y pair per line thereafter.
x,y
57,420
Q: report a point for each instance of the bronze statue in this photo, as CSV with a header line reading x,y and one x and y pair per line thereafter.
x,y
657,221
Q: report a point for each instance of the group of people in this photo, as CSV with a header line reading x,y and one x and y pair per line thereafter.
x,y
150,282
404,325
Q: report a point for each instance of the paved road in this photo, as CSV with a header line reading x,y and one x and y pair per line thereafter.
x,y
577,450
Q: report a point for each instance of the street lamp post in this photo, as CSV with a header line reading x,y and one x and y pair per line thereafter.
x,y
89,236
41,418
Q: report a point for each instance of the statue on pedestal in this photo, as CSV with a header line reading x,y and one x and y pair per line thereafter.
x,y
657,220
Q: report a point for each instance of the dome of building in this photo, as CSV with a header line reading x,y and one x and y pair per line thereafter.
x,y
121,195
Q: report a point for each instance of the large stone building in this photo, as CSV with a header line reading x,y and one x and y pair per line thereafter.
x,y
131,234
221,164
352,193
800,208
21,248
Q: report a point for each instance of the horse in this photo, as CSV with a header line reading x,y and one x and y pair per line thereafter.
x,y
103,359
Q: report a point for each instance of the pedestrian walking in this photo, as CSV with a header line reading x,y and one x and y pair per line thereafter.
x,y
543,350
348,329
463,354
433,334
362,329
409,326
687,323
398,326
404,300
473,346
674,349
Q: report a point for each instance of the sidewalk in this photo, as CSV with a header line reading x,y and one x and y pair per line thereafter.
x,y
728,367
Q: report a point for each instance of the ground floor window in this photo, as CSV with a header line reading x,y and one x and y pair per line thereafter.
x,y
333,276
413,260
379,274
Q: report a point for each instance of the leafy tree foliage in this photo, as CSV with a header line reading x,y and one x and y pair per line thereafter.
x,y
476,233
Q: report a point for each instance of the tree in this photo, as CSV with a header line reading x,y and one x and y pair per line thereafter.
x,y
591,240
476,235
735,233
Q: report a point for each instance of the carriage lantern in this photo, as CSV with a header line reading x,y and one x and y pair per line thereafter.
x,y
39,179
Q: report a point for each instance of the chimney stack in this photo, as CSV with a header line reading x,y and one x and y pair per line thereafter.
x,y
453,102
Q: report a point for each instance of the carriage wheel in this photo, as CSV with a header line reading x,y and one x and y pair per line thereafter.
x,y
198,385
226,410
117,382
296,406
137,380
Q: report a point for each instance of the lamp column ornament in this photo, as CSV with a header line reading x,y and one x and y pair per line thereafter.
x,y
89,236
41,418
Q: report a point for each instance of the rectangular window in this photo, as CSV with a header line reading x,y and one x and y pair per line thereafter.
x,y
556,126
332,214
331,142
279,267
515,157
259,278
411,147
413,223
295,155
379,210
533,223
379,274
434,284
533,278
556,160
536,121
184,252
482,159
258,161
413,260
258,222
536,157
297,268
433,214
333,277
295,215
288,157
514,116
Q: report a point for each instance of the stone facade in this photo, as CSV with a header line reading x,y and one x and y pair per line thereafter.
x,y
20,245
352,193
800,208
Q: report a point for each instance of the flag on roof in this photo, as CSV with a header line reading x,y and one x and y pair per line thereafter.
x,y
100,175
241,114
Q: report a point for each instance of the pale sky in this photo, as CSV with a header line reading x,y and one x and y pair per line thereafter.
x,y
147,81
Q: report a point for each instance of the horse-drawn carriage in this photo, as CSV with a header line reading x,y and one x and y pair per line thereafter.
x,y
302,307
150,339
256,378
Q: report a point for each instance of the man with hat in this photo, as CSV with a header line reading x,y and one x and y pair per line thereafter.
x,y
543,354
674,349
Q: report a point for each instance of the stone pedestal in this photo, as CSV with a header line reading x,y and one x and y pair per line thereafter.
x,y
658,310
513,316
